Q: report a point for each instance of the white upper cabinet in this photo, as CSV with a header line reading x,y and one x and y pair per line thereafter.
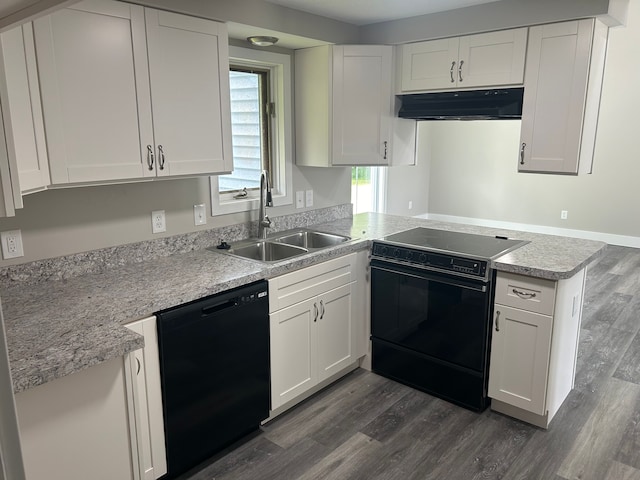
x,y
565,65
344,106
483,60
106,119
22,112
189,72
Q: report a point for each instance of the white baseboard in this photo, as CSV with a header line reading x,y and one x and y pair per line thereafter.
x,y
611,238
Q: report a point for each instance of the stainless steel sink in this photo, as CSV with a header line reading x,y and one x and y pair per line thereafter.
x,y
312,239
267,251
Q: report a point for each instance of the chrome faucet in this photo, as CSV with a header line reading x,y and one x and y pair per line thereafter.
x,y
265,201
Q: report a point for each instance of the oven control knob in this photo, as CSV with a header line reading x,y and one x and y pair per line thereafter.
x,y
423,258
383,250
396,253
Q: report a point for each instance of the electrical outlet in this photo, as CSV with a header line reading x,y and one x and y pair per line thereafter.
x,y
309,198
199,214
300,199
158,223
564,214
11,244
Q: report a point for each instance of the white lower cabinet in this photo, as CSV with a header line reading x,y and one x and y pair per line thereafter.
x,y
145,397
316,318
536,328
77,427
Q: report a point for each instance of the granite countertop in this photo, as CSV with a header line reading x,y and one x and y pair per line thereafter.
x,y
63,326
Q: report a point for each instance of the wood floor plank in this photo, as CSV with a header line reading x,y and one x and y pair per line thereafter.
x,y
592,454
620,471
629,367
611,310
547,449
344,412
237,461
485,452
629,449
346,461
629,318
404,411
600,350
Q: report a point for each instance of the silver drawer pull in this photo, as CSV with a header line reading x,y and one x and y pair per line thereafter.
x,y
453,65
497,320
460,70
526,295
160,157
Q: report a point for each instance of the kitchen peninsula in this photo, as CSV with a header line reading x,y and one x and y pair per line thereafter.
x,y
57,327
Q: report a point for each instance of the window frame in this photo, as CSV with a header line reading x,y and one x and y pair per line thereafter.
x,y
281,139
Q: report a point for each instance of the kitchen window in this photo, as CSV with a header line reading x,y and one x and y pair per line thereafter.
x,y
260,84
368,189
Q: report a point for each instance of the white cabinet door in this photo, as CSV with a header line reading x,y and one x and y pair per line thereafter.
x,y
94,81
557,107
189,73
492,59
519,363
430,65
22,110
345,106
293,351
362,99
149,424
483,60
336,342
77,427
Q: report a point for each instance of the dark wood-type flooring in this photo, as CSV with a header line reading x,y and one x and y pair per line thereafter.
x,y
369,427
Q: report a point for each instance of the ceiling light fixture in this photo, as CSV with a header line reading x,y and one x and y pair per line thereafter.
x,y
262,40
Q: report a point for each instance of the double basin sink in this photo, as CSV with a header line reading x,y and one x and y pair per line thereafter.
x,y
288,244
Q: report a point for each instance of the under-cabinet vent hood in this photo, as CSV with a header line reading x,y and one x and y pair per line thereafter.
x,y
496,104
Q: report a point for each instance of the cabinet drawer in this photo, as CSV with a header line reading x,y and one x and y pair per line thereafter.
x,y
305,283
527,293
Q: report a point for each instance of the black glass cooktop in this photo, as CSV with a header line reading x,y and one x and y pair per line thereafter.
x,y
467,244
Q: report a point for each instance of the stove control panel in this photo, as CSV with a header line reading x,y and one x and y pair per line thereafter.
x,y
427,259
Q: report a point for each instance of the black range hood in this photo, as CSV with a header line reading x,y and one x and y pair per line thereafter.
x,y
496,104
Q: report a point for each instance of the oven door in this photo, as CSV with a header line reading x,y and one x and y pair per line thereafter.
x,y
444,317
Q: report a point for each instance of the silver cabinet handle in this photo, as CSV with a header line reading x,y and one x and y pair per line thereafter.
x,y
460,70
522,294
497,320
138,362
522,147
322,311
160,157
453,65
150,158
385,149
315,310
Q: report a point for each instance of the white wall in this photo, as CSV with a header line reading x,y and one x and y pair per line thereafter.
x,y
474,164
411,183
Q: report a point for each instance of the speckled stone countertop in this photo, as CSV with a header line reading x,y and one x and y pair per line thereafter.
x,y
58,327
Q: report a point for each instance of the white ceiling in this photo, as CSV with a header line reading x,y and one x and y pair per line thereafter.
x,y
363,12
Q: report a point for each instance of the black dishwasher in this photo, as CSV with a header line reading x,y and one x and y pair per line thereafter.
x,y
214,367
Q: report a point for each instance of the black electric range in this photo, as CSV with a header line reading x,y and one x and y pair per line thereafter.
x,y
431,309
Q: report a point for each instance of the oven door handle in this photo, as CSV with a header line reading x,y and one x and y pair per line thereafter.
x,y
433,278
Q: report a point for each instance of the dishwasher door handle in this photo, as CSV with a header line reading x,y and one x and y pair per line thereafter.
x,y
211,309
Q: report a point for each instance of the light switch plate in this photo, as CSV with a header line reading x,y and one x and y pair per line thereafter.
x,y
300,199
11,244
158,223
309,201
199,214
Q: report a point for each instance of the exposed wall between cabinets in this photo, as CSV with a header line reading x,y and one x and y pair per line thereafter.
x,y
66,221
473,171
